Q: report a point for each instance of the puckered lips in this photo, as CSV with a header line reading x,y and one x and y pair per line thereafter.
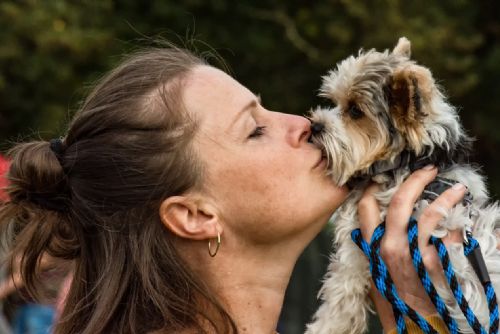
x,y
321,160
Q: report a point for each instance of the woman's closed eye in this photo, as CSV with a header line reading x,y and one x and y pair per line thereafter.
x,y
259,131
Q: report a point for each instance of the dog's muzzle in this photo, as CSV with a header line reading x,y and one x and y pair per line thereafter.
x,y
317,128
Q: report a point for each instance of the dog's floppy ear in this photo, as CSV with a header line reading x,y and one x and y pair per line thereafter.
x,y
404,97
403,48
405,102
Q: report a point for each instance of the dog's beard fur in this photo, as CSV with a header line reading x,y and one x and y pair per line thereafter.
x,y
387,104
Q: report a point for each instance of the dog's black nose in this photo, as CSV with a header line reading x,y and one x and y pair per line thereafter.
x,y
317,128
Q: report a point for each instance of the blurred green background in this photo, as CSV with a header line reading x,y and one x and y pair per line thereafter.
x,y
51,51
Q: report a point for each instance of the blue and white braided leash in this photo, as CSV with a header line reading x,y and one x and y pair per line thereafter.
x,y
385,285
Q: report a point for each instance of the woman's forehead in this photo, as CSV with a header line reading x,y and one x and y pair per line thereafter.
x,y
210,90
216,100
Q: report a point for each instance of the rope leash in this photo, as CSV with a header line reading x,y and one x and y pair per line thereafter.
x,y
471,248
418,263
380,280
385,285
473,253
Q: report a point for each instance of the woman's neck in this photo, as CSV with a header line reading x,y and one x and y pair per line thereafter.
x,y
250,285
256,309
253,291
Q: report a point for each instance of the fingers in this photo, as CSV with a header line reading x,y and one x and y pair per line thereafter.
x,y
401,208
394,248
437,210
368,212
428,221
403,201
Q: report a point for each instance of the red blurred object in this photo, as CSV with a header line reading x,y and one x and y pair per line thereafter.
x,y
4,167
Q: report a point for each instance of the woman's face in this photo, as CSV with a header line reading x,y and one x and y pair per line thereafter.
x,y
267,182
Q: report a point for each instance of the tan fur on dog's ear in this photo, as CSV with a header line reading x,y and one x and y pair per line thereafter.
x,y
403,48
406,106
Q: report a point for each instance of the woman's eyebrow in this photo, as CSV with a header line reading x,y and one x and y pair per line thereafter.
x,y
250,105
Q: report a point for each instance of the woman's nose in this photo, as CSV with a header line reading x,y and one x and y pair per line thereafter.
x,y
299,130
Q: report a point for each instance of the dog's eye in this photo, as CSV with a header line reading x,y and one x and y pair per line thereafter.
x,y
355,112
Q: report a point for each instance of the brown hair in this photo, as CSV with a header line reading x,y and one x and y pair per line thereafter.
x,y
94,199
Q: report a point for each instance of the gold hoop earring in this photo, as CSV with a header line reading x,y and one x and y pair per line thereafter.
x,y
216,248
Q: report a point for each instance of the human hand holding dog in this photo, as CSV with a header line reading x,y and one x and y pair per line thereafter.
x,y
394,247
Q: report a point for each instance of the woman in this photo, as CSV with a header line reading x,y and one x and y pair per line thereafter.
x,y
184,204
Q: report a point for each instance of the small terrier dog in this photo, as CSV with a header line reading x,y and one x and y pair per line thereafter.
x,y
390,118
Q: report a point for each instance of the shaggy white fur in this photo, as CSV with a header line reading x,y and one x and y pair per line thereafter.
x,y
387,104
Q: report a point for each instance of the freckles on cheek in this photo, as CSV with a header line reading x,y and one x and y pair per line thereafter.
x,y
246,181
252,175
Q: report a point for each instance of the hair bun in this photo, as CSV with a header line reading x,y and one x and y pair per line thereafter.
x,y
31,221
58,204
36,175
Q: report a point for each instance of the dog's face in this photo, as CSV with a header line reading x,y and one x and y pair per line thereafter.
x,y
385,103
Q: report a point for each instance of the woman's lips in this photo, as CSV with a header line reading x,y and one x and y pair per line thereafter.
x,y
321,161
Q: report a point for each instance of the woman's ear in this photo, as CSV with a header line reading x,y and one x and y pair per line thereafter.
x,y
190,218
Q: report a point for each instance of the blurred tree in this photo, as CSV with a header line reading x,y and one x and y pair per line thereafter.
x,y
47,50
51,50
